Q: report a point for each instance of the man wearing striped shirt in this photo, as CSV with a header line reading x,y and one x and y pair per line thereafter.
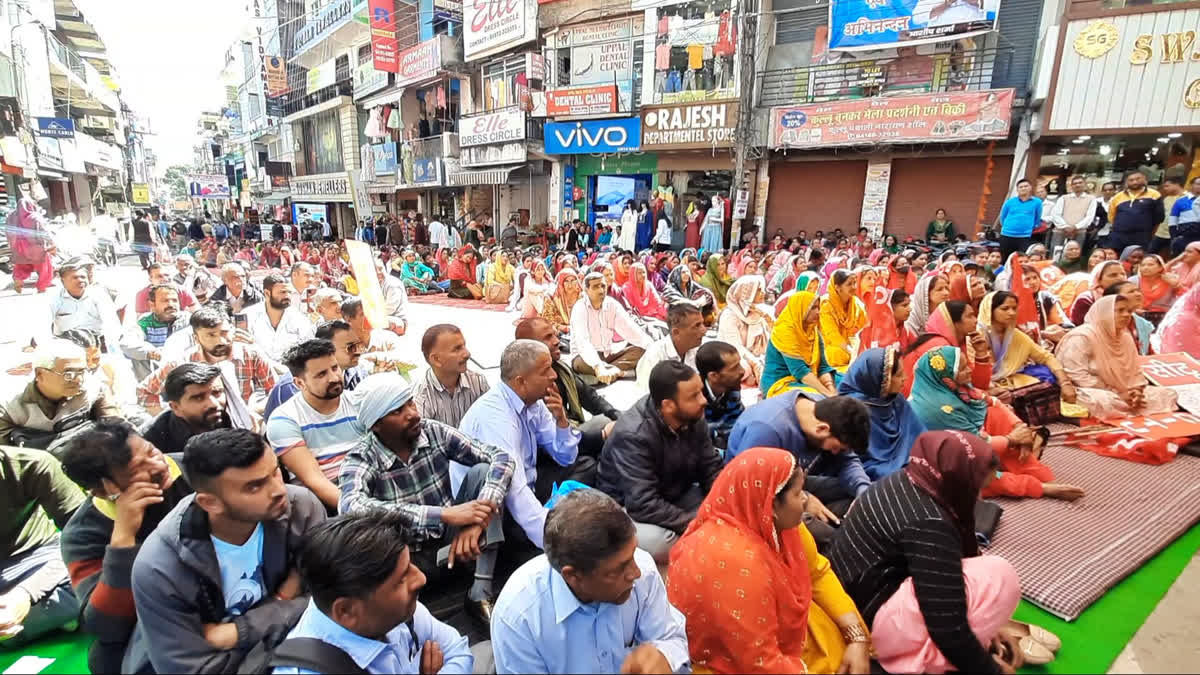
x,y
448,388
311,433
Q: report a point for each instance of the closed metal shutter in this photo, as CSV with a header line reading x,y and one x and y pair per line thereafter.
x,y
815,196
798,20
920,186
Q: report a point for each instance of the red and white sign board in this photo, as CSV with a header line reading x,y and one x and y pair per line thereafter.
x,y
1159,426
594,100
1171,370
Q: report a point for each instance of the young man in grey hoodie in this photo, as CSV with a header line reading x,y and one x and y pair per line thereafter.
x,y
219,571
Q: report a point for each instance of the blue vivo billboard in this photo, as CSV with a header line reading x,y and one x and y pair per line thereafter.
x,y
594,136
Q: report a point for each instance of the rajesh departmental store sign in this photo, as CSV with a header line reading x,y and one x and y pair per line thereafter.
x,y
689,126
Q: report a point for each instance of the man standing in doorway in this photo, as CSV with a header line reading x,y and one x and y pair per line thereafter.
x,y
1018,218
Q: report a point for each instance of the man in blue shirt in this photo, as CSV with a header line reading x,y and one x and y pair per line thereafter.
x,y
1018,217
1184,219
594,603
521,414
364,603
824,434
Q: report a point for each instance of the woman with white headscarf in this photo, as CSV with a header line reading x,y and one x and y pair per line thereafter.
x,y
746,323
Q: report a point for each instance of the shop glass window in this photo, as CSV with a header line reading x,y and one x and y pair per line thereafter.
x,y
321,143
364,54
694,47
500,82
255,105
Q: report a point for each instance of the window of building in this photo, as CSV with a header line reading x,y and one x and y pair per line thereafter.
x,y
500,82
321,143
255,105
364,54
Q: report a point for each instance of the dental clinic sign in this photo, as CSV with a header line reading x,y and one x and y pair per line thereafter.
x,y
594,136
491,26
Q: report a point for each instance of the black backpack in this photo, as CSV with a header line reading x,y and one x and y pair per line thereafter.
x,y
306,653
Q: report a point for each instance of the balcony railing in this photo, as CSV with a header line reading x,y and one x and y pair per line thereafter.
x,y
445,145
68,57
951,71
294,101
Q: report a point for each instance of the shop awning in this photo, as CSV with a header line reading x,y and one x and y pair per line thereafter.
x,y
274,198
497,176
392,94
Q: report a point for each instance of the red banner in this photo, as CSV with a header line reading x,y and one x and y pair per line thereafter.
x,y
917,118
1170,370
384,46
1160,425
598,100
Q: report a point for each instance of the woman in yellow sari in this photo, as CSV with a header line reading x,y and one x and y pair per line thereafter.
x,y
1018,360
796,354
746,574
497,286
843,316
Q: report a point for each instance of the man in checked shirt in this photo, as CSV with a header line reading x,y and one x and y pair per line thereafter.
x,y
403,465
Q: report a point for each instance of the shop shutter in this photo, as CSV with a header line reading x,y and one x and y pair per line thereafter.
x,y
1020,29
815,196
799,20
920,186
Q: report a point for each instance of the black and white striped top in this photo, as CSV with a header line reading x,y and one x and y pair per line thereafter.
x,y
895,531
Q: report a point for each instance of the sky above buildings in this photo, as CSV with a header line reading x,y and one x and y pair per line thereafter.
x,y
168,55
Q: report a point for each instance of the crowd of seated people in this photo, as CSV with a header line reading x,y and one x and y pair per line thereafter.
x,y
272,470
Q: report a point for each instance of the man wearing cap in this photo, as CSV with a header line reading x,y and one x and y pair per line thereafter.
x,y
402,465
81,304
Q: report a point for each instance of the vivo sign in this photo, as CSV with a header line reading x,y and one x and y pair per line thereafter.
x,y
594,136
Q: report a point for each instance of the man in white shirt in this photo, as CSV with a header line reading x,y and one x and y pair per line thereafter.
x,y
594,320
79,304
687,332
304,279
275,324
395,298
1072,215
439,234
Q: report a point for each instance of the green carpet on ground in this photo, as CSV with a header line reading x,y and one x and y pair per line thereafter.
x,y
1090,643
1093,641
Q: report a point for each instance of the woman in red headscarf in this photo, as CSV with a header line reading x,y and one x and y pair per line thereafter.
x,y
900,274
463,283
746,574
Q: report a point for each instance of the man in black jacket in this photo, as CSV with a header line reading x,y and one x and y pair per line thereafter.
x,y
657,454
235,290
196,396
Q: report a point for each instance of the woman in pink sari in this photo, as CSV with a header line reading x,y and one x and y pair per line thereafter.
x,y
1186,267
640,294
30,245
1180,328
1100,359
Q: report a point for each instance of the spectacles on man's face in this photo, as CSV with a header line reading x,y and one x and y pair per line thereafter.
x,y
71,375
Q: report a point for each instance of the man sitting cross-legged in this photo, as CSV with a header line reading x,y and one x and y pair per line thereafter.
x,y
402,464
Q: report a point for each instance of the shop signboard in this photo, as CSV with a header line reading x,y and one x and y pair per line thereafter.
x,y
384,46
689,126
1122,56
502,126
324,22
872,24
384,156
320,77
56,127
326,187
601,53
368,80
419,62
582,101
568,186
875,194
618,165
502,153
594,136
276,76
491,26
917,118
427,171
141,194
1171,370
741,203
208,186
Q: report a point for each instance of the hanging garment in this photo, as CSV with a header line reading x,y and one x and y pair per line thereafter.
x,y
393,122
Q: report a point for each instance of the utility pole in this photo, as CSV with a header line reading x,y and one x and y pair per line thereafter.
x,y
745,138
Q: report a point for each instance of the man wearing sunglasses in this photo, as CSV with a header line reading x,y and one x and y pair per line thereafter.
x,y
56,400
347,352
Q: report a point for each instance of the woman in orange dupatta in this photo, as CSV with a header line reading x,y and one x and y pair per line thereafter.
x,y
746,574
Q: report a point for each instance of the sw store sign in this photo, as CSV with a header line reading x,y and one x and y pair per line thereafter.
x,y
594,136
